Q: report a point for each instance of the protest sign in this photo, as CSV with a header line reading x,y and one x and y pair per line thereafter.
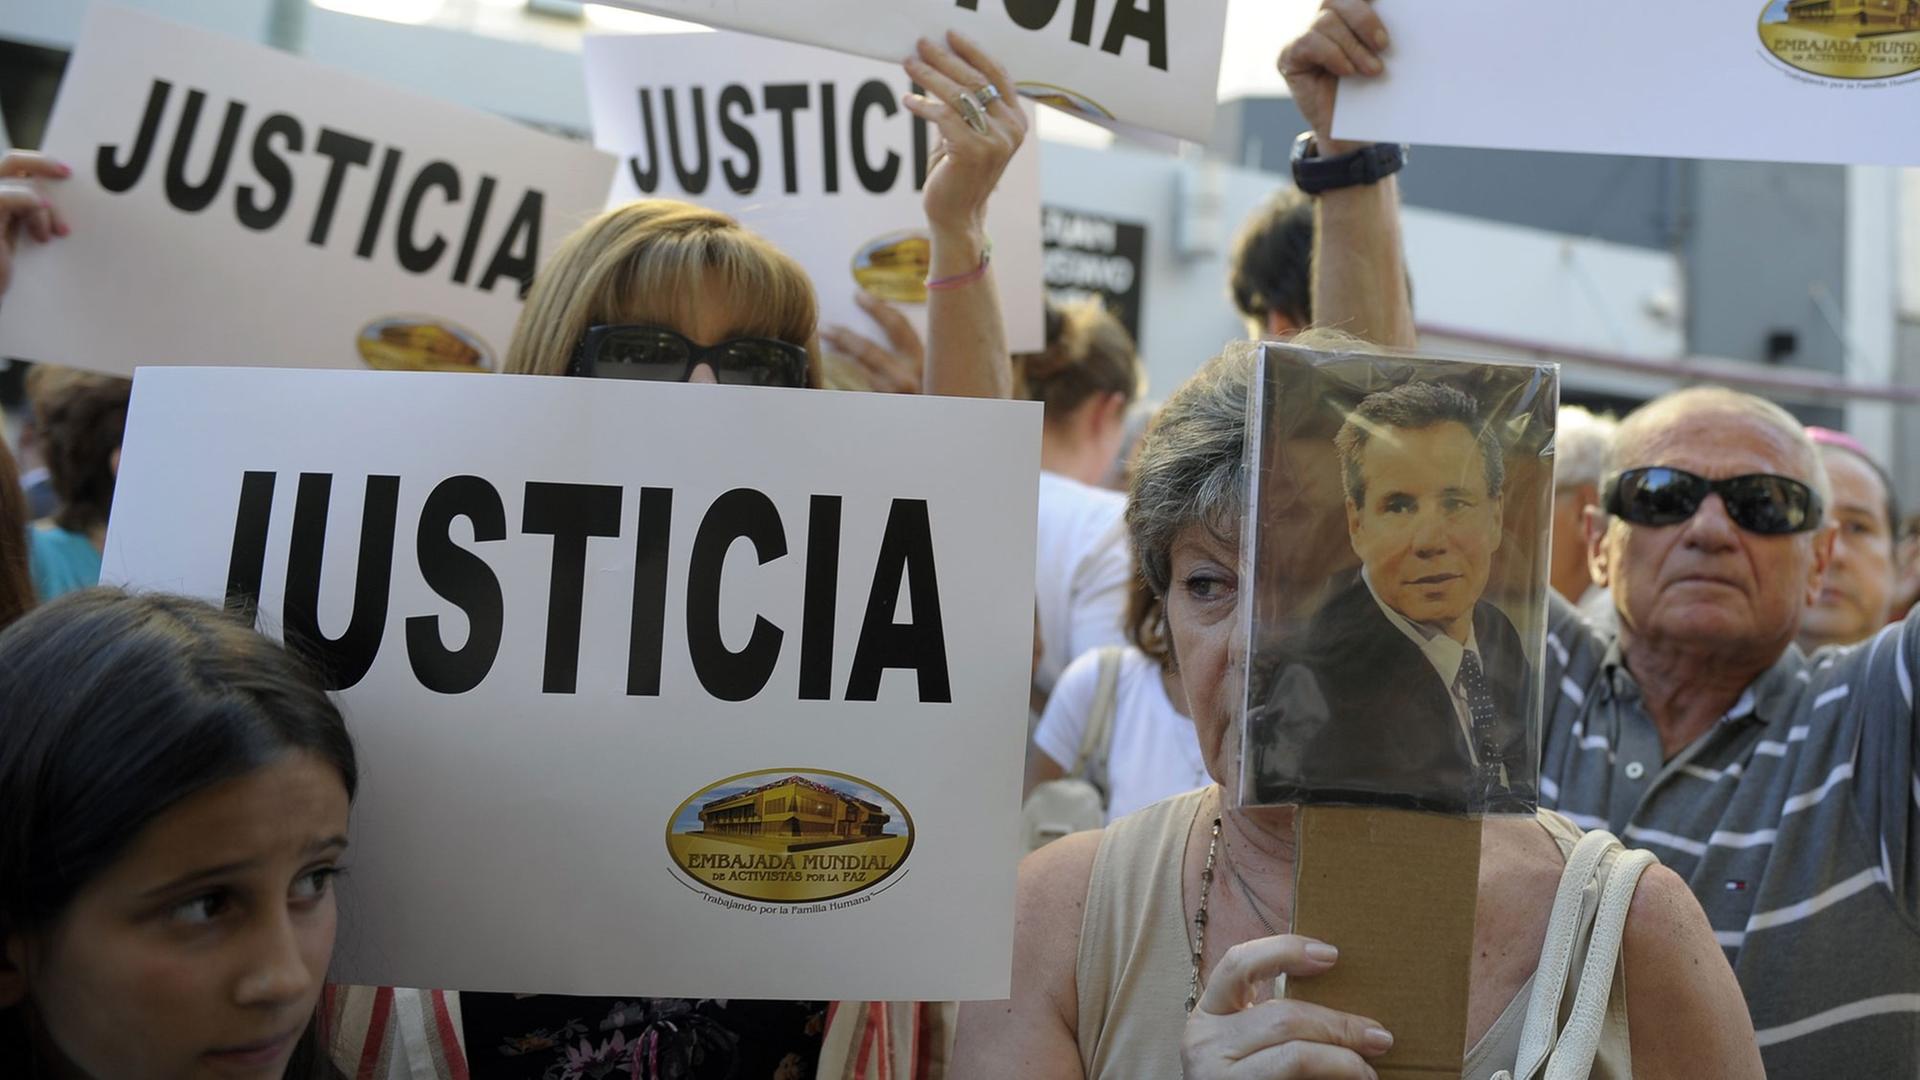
x,y
1398,553
813,150
232,204
1093,256
658,689
1765,80
1130,61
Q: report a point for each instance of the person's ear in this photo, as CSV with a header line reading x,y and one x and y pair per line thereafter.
x,y
1353,522
1823,542
1599,559
1113,411
13,972
1279,327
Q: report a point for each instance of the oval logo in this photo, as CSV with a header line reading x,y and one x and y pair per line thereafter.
x,y
418,343
894,267
1065,100
790,836
1844,39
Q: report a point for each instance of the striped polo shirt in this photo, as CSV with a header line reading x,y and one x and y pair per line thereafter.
x,y
1796,820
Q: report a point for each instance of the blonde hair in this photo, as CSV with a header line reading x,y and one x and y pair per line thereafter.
x,y
651,262
1088,352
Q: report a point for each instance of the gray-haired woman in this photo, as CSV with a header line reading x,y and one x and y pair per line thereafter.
x,y
1104,943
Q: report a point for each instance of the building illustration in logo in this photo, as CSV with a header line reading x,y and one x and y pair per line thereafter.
x,y
794,807
1854,40
1882,14
787,836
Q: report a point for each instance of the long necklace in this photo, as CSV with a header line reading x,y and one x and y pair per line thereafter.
x,y
1200,917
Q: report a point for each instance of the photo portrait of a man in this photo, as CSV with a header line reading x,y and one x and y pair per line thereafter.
x,y
1407,687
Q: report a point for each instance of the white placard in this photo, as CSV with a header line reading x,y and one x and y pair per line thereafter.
x,y
1144,63
808,147
1740,79
635,604
232,204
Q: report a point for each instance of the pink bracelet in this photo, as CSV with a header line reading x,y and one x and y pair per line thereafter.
x,y
968,278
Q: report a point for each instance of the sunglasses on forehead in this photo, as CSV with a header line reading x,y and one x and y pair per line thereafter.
x,y
656,354
1758,502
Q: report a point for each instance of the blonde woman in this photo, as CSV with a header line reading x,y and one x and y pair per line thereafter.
x,y
660,289
668,291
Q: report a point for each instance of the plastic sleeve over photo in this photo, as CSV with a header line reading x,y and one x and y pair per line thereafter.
x,y
1395,585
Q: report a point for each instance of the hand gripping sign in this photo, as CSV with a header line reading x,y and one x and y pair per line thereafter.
x,y
1397,547
658,691
1148,63
813,150
232,204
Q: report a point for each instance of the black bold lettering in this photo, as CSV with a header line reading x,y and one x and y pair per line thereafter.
x,y
476,217
728,675
919,147
519,248
829,141
823,589
1032,14
342,152
1083,22
377,209
648,636
463,579
248,561
413,258
906,555
120,176
735,99
693,180
873,94
648,178
570,513
343,661
785,98
272,169
1149,25
189,197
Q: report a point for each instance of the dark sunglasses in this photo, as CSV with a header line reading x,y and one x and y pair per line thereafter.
x,y
657,354
1759,502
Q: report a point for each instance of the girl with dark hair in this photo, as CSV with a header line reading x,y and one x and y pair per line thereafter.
x,y
174,792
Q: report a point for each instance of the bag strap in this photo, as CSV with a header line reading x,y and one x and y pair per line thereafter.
x,y
1573,1059
1556,956
1096,742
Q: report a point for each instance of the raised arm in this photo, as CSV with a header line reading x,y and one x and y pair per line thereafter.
x,y
1359,266
967,337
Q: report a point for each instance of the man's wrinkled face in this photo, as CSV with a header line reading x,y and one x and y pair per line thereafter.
x,y
1857,593
1427,526
1706,582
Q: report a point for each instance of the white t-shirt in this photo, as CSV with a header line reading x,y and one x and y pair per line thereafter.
x,y
1082,571
1155,752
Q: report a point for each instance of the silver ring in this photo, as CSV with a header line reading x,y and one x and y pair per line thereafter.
x,y
987,95
971,112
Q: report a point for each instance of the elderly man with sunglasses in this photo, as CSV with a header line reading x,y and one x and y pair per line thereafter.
x,y
1786,790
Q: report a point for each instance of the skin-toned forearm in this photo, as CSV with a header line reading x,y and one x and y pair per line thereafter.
x,y
966,335
1359,265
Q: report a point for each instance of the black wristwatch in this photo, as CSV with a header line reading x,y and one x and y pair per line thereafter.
x,y
1370,164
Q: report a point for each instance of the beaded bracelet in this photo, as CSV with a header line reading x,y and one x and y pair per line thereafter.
x,y
968,278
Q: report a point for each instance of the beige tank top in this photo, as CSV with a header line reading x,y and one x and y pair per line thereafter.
x,y
1136,957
